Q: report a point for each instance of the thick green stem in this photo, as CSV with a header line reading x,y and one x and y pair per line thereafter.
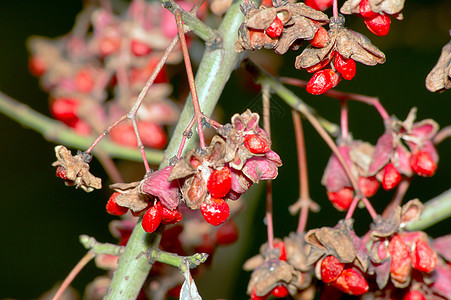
x,y
56,132
435,210
212,75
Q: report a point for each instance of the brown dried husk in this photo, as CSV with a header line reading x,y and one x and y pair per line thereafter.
x,y
439,79
299,20
77,169
268,275
130,196
348,43
390,7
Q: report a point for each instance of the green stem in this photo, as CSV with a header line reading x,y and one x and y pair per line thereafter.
x,y
435,210
212,75
175,260
56,132
211,37
100,248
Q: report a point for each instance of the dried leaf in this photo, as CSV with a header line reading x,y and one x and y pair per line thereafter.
x,y
189,289
411,211
157,184
439,79
77,169
268,275
384,227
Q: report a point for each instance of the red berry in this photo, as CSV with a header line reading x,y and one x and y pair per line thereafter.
x,y
220,182
266,3
61,172
319,66
322,81
215,213
113,208
84,80
152,135
391,177
65,110
400,266
346,67
280,291
37,66
256,144
227,233
139,48
321,38
319,4
351,282
341,199
255,297
151,219
331,268
169,216
108,45
368,185
275,28
124,135
379,25
423,164
424,258
365,9
283,251
414,295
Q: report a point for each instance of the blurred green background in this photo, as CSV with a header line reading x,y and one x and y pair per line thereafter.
x,y
41,219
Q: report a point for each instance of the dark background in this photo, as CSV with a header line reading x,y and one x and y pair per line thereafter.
x,y
41,219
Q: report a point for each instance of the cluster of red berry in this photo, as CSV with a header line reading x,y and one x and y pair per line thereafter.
x,y
95,73
405,149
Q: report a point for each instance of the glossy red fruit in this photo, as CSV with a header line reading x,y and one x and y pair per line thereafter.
x,y
139,48
85,80
379,25
341,199
151,219
351,282
400,266
266,3
322,81
255,297
169,216
368,185
152,135
256,144
61,172
346,67
275,28
365,9
282,249
321,38
280,291
124,135
65,110
227,233
37,66
414,295
423,257
108,45
319,4
219,182
216,212
113,208
391,177
331,268
423,164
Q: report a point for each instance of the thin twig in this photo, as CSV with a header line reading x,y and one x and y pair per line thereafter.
x,y
373,101
401,191
189,72
304,201
267,127
442,135
78,267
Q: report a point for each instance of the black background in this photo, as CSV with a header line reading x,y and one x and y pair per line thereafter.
x,y
41,219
